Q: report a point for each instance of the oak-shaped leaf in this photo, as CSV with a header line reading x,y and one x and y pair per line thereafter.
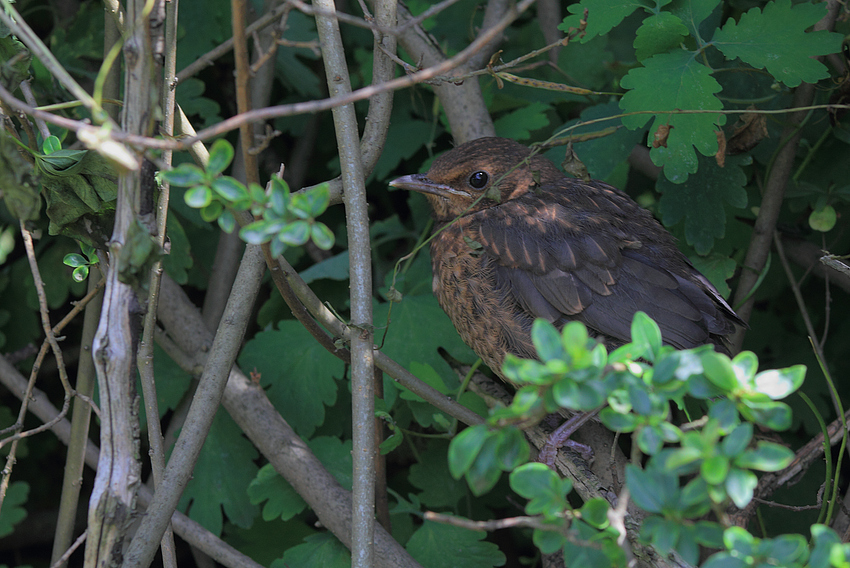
x,y
775,38
667,83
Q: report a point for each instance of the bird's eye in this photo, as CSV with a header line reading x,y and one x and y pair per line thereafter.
x,y
478,179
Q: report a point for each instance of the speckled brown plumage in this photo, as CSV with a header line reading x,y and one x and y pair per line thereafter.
x,y
540,244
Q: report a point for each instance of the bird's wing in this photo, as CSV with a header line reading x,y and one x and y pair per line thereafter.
x,y
560,264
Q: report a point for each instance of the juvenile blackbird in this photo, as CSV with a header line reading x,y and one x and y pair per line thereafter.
x,y
538,244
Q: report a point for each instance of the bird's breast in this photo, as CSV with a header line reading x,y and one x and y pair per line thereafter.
x,y
485,314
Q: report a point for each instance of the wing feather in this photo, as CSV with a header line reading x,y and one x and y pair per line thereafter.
x,y
559,265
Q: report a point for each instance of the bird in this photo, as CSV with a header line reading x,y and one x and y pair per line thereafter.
x,y
516,239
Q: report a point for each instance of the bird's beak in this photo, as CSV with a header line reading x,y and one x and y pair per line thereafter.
x,y
422,184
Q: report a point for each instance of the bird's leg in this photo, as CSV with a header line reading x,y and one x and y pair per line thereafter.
x,y
561,437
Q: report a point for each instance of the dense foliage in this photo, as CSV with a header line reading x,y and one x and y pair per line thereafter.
x,y
689,106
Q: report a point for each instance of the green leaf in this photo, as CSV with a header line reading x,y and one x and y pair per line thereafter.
x,y
198,197
74,259
662,533
213,487
694,13
295,233
623,423
774,415
767,456
602,16
595,512
659,33
321,236
718,369
190,93
418,329
740,485
724,412
281,499
484,472
709,533
230,189
667,82
600,155
547,340
321,549
333,268
465,447
19,180
682,457
542,486
390,443
221,154
51,144
427,375
718,268
746,364
226,221
519,124
212,211
779,383
585,550
646,335
578,396
651,491
184,175
574,337
61,162
825,541
279,196
775,39
737,441
80,273
13,511
824,219
701,200
695,501
404,139
310,204
438,545
257,193
261,231
649,440
172,382
715,469
300,384
511,448
788,549
438,489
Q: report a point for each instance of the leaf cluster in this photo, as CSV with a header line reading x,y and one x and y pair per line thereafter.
x,y
283,219
690,470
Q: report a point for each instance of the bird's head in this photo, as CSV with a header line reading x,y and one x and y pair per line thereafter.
x,y
486,172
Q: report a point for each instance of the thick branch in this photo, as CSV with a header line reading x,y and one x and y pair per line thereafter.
x,y
118,476
255,415
189,530
360,276
207,398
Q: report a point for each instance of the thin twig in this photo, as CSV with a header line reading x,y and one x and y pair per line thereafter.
x,y
13,20
30,98
57,353
489,526
258,115
208,58
64,558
